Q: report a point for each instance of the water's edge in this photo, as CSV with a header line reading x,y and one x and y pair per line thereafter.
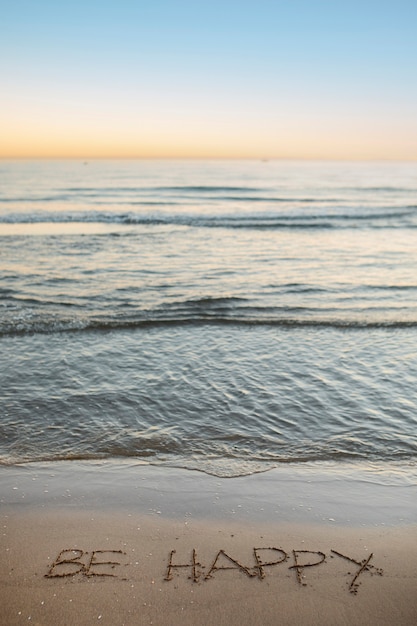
x,y
320,493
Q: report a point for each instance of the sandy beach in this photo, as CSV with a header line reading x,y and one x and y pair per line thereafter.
x,y
85,544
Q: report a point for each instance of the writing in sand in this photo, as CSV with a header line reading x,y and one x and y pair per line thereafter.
x,y
72,562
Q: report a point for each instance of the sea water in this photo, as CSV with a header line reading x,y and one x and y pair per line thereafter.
x,y
213,315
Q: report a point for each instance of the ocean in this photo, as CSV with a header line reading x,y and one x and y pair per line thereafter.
x,y
222,316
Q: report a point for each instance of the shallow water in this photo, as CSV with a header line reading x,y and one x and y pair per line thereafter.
x,y
228,400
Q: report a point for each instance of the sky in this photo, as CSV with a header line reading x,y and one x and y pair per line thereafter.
x,y
318,79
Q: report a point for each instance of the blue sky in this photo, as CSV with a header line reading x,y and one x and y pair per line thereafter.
x,y
315,79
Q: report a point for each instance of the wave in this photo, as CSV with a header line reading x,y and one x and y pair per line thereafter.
x,y
161,188
185,190
322,219
219,466
76,325
226,455
174,195
382,188
35,199
89,197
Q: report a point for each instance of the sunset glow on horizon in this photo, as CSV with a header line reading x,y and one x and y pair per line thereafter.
x,y
179,79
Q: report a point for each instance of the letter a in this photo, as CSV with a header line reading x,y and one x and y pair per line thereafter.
x,y
236,565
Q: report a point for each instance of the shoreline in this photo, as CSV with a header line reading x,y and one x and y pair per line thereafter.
x,y
117,544
343,493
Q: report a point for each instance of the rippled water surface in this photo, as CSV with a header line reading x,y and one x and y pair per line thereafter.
x,y
223,316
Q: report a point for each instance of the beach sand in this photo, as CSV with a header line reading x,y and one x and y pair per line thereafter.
x,y
104,544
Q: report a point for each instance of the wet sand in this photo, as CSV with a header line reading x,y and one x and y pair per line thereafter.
x,y
85,544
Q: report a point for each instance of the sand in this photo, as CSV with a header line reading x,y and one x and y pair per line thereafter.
x,y
104,544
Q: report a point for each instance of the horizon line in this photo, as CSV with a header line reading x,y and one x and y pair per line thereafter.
x,y
86,158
